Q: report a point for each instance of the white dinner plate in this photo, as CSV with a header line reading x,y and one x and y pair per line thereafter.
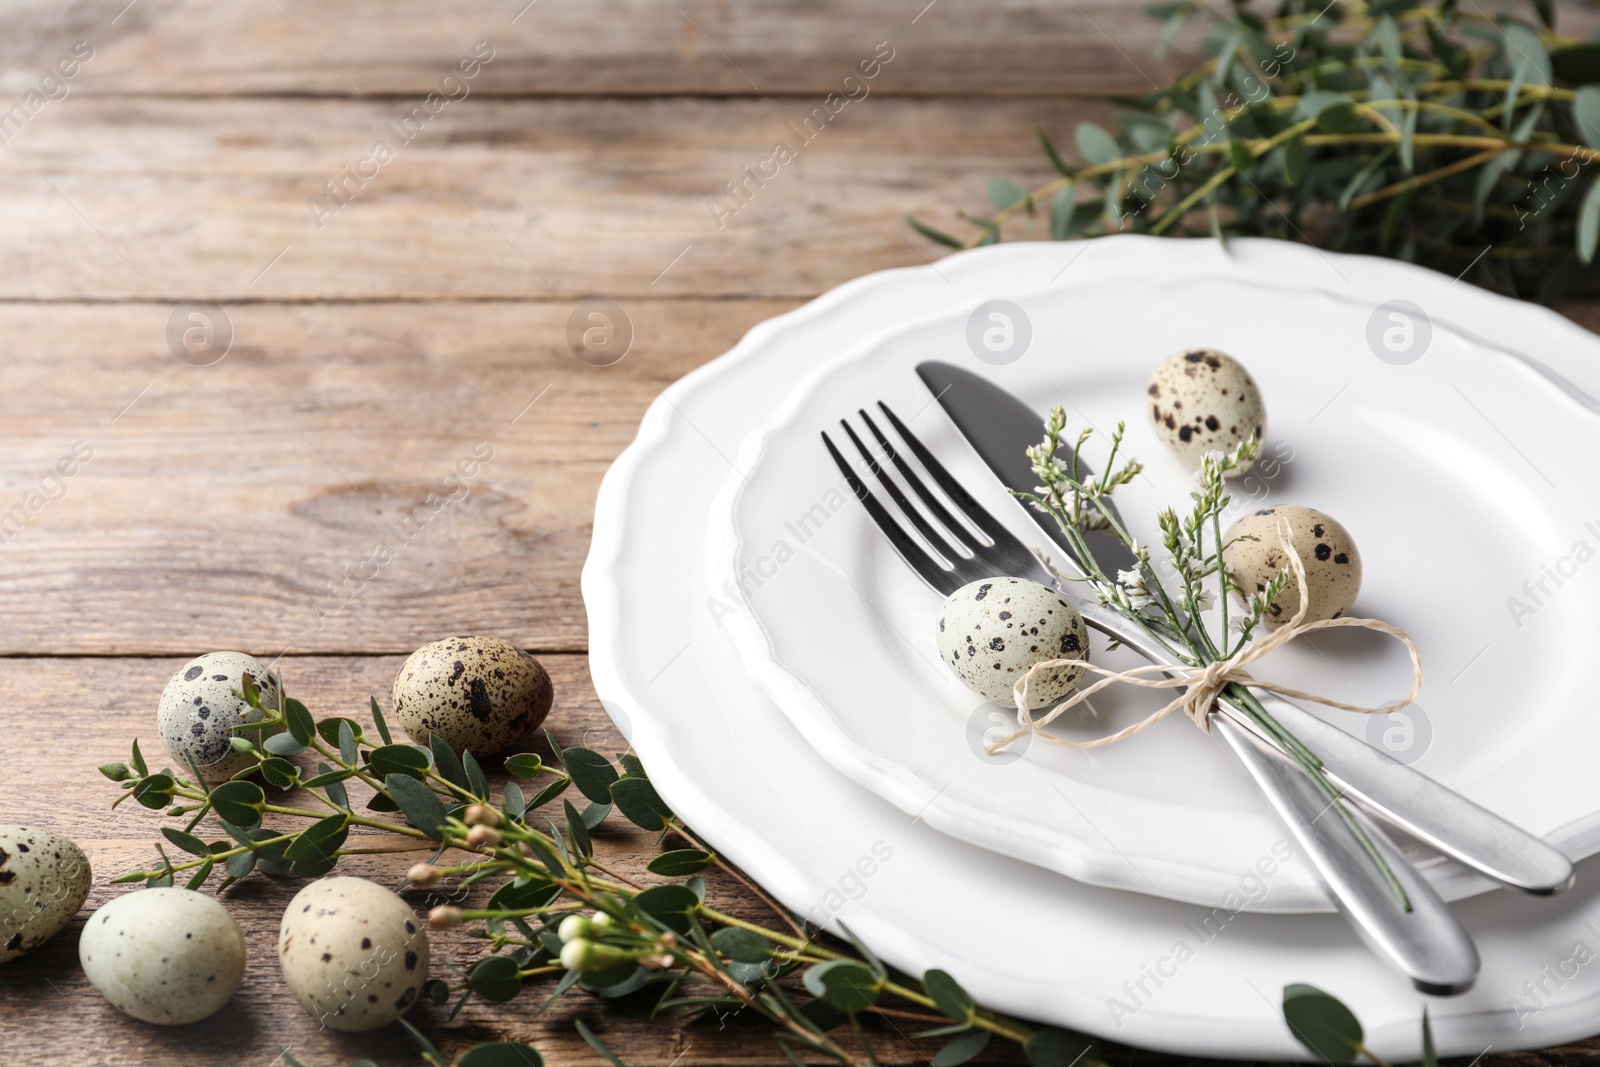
x,y
1459,474
1046,948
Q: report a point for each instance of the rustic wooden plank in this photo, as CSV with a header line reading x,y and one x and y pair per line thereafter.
x,y
53,1016
217,506
569,47
550,199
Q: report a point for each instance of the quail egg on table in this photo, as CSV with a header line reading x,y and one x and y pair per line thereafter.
x,y
44,879
199,712
992,630
353,953
1253,554
165,955
476,693
1201,401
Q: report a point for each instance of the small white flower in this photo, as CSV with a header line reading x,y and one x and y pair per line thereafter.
x,y
1206,600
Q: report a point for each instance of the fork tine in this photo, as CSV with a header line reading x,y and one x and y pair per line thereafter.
x,y
913,479
940,544
930,570
953,489
1005,554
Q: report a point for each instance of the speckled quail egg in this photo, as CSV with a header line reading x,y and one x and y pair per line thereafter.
x,y
1333,566
199,712
1202,400
991,631
354,954
44,879
476,693
169,956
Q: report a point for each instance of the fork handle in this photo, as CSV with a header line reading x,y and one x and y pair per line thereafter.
x,y
1399,793
1426,943
1429,811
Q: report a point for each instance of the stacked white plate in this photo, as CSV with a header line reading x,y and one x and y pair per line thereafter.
x,y
772,661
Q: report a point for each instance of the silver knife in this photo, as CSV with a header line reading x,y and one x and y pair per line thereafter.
x,y
1000,428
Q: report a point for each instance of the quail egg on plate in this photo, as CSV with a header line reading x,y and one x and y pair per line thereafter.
x,y
992,630
1201,401
1253,554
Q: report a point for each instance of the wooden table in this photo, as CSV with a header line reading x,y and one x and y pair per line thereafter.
x,y
388,311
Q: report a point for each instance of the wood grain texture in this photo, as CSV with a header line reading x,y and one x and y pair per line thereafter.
x,y
303,493
425,315
52,1012
568,47
551,199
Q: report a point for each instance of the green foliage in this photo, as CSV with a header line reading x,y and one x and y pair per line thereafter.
x,y
1452,136
554,919
1322,1024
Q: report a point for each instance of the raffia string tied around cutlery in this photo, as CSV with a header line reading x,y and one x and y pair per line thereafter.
x,y
1203,683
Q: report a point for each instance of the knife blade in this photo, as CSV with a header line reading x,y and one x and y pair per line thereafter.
x,y
1000,428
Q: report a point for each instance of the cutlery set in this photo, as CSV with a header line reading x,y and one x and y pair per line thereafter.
x,y
948,539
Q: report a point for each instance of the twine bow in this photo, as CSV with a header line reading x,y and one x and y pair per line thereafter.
x,y
1203,683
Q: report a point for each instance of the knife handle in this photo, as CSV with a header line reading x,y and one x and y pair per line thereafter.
x,y
1426,942
1424,808
1398,793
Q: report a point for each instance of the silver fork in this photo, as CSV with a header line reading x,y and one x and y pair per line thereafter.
x,y
1425,943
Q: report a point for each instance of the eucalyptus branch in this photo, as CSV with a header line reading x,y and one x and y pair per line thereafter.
x,y
1359,129
558,918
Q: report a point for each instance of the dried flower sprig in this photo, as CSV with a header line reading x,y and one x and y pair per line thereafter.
x,y
1194,545
1439,135
557,919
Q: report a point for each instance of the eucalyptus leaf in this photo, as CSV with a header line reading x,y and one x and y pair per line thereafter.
x,y
495,978
947,993
1586,112
577,832
447,763
514,803
1095,145
640,803
154,791
668,904
1003,192
595,1043
398,759
680,862
188,842
523,765
961,1048
239,803
1333,112
299,721
279,772
282,744
742,946
1062,208
1322,1024
501,1054
936,236
1589,222
1051,154
421,805
378,721
846,984
591,772
477,781
1051,1047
